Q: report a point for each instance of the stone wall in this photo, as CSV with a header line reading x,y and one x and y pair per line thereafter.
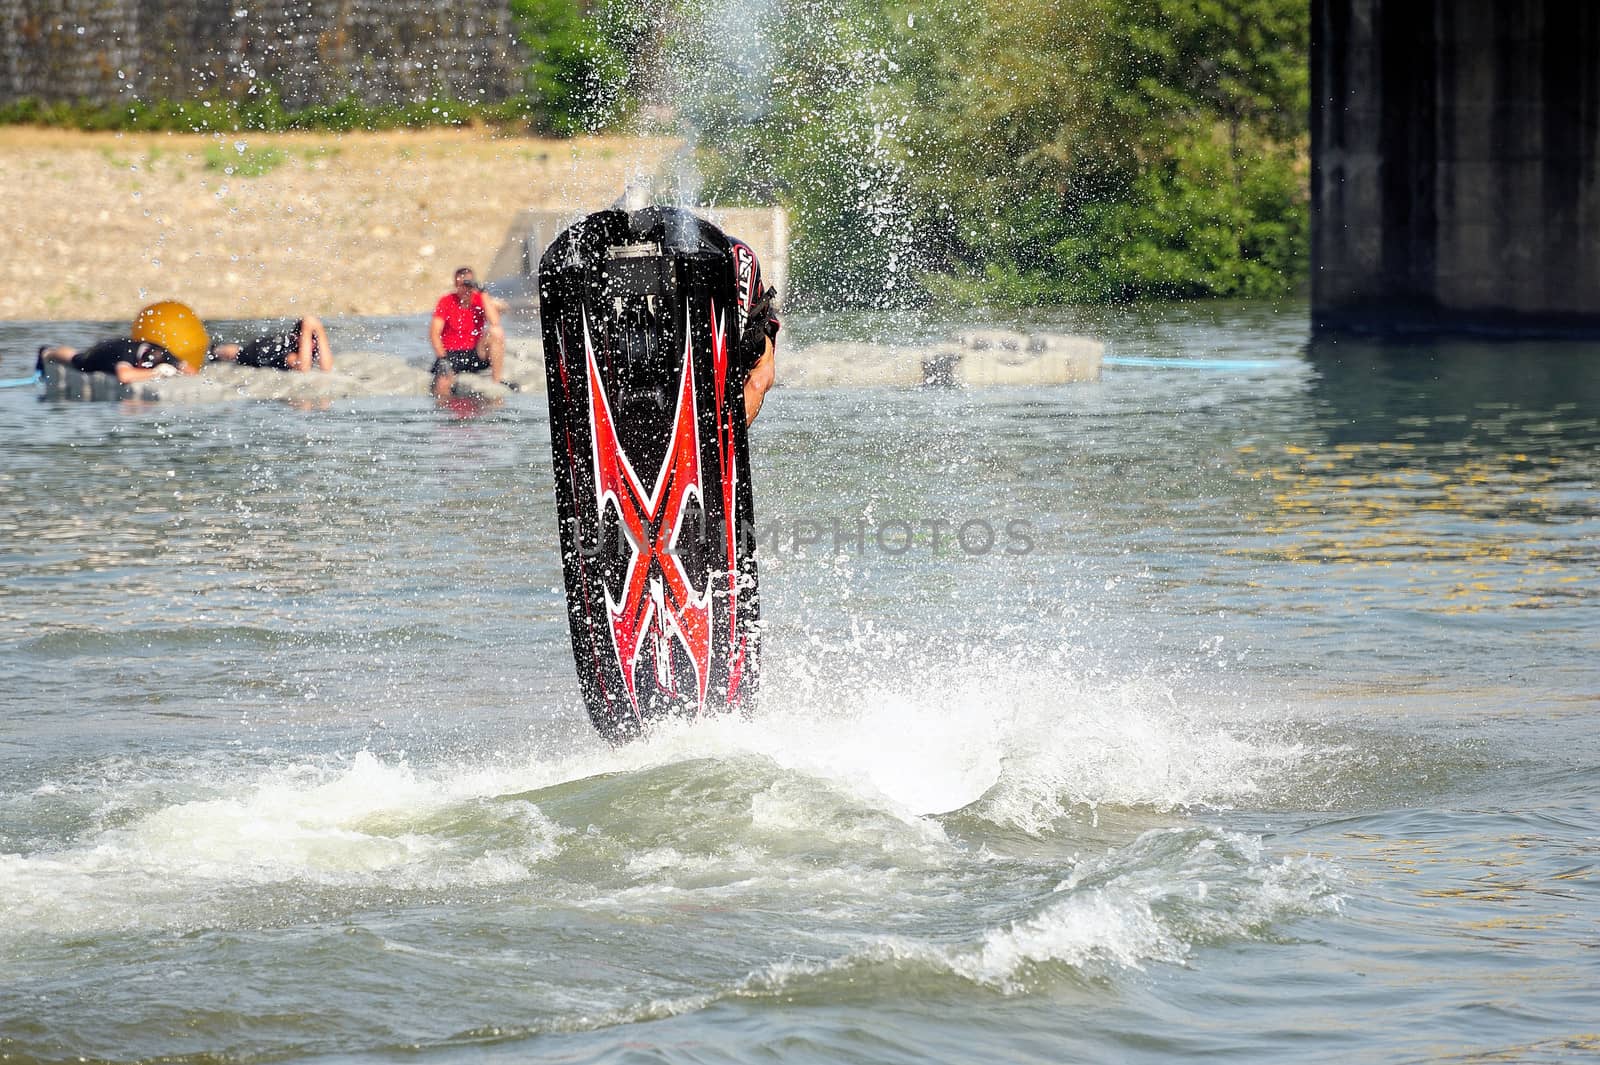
x,y
1456,165
311,51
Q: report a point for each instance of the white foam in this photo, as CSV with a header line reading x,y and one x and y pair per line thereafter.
x,y
1130,744
1023,735
890,754
1096,925
1157,901
360,825
856,770
1023,740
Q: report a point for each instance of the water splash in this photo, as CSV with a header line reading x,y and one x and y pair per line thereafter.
x,y
866,773
746,84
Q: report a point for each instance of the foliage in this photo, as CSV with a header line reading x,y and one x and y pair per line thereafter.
x,y
1035,151
829,142
572,80
243,161
260,112
1191,224
1113,149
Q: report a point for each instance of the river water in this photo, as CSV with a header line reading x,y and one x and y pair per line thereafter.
x,y
1242,712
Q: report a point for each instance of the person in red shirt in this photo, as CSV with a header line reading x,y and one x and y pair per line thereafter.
x,y
465,334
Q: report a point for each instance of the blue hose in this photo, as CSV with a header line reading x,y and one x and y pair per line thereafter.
x,y
1193,364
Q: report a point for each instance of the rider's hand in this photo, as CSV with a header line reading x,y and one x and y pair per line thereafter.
x,y
753,341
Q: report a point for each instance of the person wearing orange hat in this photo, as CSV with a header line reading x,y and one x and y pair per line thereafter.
x,y
167,339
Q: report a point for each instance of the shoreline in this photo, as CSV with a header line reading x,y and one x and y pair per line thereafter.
x,y
330,224
976,359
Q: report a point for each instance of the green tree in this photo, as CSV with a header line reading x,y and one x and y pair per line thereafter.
x,y
1111,149
823,131
1033,151
575,75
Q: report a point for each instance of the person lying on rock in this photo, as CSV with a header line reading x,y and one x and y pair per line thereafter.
x,y
129,361
297,349
166,339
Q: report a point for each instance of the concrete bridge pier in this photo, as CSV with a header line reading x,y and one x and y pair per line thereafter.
x,y
1455,180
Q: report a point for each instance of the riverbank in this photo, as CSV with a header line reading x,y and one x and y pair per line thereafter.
x,y
260,225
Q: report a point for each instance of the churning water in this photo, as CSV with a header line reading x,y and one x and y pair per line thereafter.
x,y
1239,712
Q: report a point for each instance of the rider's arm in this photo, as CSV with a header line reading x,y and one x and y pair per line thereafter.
x,y
761,379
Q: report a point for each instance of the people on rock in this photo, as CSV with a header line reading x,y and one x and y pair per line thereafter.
x,y
465,333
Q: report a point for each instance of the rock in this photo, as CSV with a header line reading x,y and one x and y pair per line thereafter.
x,y
992,340
356,374
976,359
849,365
479,386
1043,359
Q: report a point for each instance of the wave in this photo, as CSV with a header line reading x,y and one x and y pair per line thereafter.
x,y
871,791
